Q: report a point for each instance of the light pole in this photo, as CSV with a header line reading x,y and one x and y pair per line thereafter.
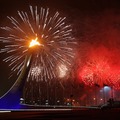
x,y
112,92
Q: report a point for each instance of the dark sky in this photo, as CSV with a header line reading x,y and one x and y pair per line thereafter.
x,y
93,21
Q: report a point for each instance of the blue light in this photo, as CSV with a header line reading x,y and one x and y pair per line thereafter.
x,y
107,88
10,101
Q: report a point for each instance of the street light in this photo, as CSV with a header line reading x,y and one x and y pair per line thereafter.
x,y
106,89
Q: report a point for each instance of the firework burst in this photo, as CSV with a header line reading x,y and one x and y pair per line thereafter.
x,y
96,72
47,37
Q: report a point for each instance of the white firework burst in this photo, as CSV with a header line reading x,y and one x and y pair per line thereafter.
x,y
62,70
52,36
35,72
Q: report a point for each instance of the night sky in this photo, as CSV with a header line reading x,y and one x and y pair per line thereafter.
x,y
96,27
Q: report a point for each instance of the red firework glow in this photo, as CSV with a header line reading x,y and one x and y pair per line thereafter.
x,y
99,69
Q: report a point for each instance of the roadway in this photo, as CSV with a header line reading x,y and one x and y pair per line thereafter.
x,y
60,114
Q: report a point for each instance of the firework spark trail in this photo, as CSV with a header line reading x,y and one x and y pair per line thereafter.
x,y
52,32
